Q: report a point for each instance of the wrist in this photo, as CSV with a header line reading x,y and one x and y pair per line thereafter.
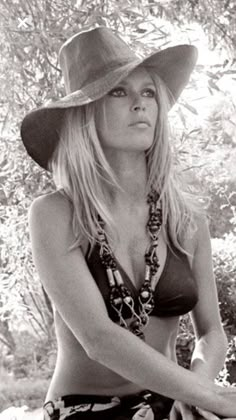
x,y
217,400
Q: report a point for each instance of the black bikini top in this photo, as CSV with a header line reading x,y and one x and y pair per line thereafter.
x,y
175,294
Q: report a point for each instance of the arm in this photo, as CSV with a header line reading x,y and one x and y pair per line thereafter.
x,y
211,343
71,287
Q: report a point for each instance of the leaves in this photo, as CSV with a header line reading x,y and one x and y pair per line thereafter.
x,y
189,108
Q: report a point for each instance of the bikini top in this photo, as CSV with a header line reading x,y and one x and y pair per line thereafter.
x,y
175,293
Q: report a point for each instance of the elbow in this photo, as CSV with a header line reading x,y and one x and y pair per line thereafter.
x,y
93,347
218,339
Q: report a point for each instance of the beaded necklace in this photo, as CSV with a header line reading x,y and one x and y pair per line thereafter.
x,y
120,296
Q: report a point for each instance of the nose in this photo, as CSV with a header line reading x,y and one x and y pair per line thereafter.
x,y
138,104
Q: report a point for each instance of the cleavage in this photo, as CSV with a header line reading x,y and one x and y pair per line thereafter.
x,y
130,255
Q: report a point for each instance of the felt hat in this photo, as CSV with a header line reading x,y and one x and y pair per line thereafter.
x,y
93,62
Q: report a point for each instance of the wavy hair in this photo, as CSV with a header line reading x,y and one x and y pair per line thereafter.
x,y
82,171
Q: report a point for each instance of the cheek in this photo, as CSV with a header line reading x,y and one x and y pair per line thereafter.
x,y
110,121
154,112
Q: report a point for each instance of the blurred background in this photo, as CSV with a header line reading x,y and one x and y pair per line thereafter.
x,y
204,147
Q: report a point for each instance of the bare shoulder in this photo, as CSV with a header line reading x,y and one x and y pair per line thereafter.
x,y
50,217
50,205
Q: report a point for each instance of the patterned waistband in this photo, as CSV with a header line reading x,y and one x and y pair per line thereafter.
x,y
141,405
66,406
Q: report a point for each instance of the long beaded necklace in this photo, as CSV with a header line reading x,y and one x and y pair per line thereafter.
x,y
120,296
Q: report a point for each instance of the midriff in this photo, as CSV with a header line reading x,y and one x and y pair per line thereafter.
x,y
76,373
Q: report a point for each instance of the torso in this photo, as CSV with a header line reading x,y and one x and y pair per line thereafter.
x,y
75,372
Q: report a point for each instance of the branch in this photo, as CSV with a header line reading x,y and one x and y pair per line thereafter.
x,y
32,316
194,167
217,24
33,327
31,10
3,341
39,310
52,65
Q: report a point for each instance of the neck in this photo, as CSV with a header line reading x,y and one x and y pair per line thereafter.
x,y
131,174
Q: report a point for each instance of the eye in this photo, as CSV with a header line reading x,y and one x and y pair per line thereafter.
x,y
117,92
149,93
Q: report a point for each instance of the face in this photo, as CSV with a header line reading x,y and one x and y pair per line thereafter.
x,y
127,119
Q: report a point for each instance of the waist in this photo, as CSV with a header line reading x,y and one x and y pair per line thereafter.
x,y
76,373
89,381
145,403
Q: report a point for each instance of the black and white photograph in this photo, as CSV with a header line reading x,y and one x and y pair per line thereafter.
x,y
118,210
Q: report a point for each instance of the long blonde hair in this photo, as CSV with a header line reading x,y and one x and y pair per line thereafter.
x,y
82,171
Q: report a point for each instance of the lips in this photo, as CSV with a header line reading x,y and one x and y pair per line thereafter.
x,y
140,123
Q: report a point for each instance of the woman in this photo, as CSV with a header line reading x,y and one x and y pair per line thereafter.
x,y
120,249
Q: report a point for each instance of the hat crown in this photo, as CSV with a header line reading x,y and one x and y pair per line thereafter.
x,y
88,56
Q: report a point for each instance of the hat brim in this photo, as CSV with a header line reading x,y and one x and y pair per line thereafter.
x,y
40,128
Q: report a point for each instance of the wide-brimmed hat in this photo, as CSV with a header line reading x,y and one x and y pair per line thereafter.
x,y
93,62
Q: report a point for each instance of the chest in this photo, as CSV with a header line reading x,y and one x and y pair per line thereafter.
x,y
133,241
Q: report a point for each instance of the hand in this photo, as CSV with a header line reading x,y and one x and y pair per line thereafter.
x,y
226,397
182,411
210,416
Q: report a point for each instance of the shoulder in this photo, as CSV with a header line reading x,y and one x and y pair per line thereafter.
x,y
50,206
50,220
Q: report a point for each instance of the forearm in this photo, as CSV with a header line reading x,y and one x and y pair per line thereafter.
x,y
209,354
133,359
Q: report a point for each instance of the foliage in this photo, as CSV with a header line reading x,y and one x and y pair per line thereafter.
x,y
227,376
224,259
222,208
31,356
216,17
33,32
22,391
185,341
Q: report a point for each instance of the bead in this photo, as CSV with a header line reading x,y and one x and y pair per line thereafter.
x,y
152,229
124,292
145,294
117,301
128,299
147,272
135,324
148,306
144,319
118,277
153,282
119,293
110,277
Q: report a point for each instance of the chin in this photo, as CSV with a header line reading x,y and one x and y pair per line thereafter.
x,y
140,142
145,144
